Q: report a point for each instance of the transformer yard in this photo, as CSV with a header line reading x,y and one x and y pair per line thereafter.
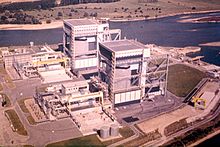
x,y
98,82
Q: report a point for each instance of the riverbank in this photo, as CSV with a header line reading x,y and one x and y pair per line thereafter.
x,y
44,25
209,19
209,136
164,16
59,23
215,44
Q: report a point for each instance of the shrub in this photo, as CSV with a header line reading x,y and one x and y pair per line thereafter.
x,y
3,18
193,8
85,14
95,14
48,21
7,13
59,14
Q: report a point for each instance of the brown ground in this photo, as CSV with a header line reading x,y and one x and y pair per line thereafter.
x,y
161,122
133,9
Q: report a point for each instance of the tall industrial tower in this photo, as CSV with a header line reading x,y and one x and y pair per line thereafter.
x,y
81,38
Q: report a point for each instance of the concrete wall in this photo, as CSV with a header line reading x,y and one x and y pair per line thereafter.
x,y
127,96
122,83
85,63
82,47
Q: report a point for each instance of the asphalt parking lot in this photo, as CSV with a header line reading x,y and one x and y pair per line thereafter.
x,y
138,112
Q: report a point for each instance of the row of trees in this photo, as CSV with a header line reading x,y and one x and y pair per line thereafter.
x,y
97,1
46,4
18,18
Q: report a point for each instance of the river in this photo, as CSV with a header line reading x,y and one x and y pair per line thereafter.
x,y
164,32
212,142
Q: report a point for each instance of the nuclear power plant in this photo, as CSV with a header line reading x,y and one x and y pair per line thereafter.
x,y
95,70
101,85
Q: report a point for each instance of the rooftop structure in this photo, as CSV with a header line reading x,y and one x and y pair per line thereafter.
x,y
123,45
81,22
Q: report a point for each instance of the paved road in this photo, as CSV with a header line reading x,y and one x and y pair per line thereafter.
x,y
24,88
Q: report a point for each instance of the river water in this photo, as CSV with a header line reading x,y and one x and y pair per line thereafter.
x,y
212,142
164,32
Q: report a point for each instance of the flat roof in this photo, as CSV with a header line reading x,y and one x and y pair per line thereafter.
x,y
81,22
52,76
75,83
123,45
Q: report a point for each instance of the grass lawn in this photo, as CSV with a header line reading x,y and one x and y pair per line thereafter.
x,y
8,102
7,78
16,122
22,105
25,110
1,88
126,132
31,120
2,70
182,79
143,139
8,81
28,146
92,140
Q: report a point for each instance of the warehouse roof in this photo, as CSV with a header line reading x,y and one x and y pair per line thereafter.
x,y
81,22
123,45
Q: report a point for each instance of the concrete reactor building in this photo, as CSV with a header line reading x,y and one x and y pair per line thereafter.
x,y
81,38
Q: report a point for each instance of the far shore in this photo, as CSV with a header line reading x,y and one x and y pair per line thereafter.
x,y
164,16
59,24
52,25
